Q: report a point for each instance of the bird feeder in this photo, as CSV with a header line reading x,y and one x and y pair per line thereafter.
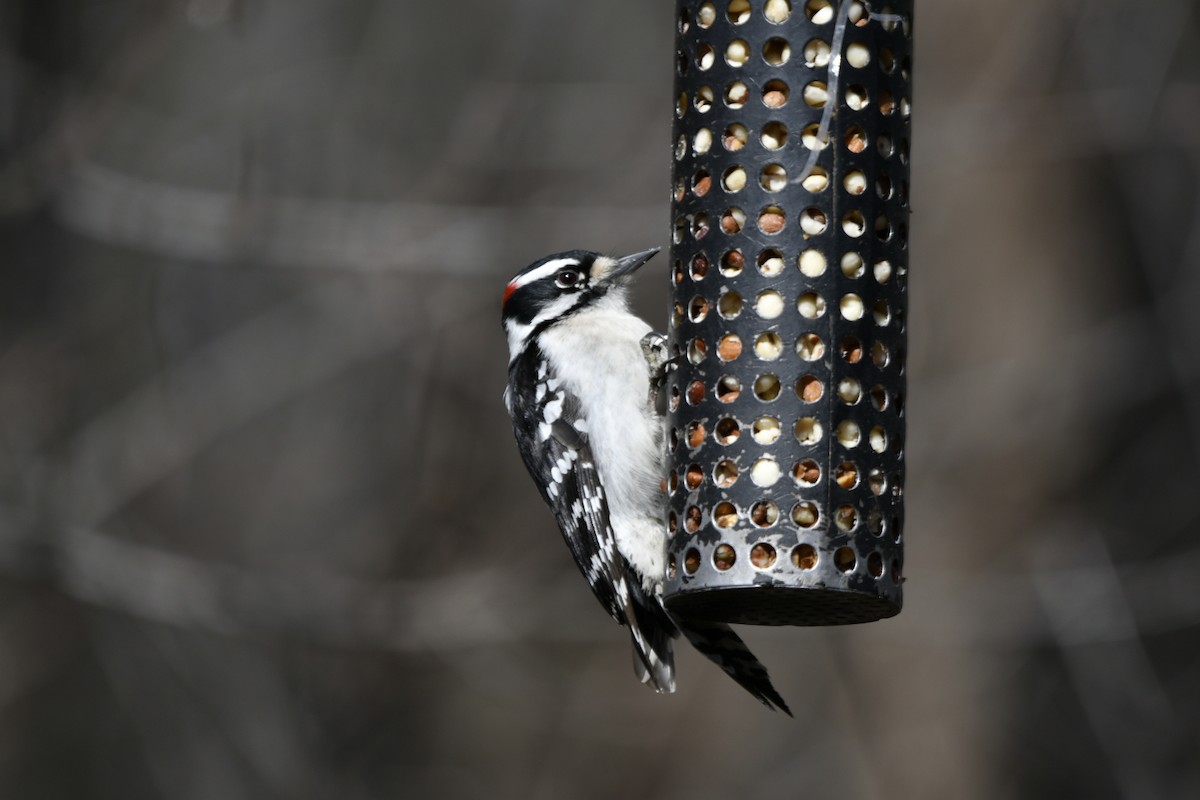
x,y
789,288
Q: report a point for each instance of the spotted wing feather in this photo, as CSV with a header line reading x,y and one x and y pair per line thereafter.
x,y
556,452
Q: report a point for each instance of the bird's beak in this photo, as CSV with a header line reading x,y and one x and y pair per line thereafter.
x,y
614,269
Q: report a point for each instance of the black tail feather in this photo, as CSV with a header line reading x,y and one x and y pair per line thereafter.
x,y
719,644
652,631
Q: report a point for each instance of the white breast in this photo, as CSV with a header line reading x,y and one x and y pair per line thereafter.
x,y
597,355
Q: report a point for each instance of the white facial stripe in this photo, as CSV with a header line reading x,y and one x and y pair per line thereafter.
x,y
544,271
518,333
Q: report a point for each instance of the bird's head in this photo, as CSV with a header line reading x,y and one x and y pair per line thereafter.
x,y
557,286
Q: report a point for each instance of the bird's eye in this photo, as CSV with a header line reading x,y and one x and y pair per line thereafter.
x,y
568,278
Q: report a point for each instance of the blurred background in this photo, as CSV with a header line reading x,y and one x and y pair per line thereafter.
x,y
263,530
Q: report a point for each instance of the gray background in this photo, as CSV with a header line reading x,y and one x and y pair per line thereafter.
x,y
263,531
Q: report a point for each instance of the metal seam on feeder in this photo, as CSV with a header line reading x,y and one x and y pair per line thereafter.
x,y
803,526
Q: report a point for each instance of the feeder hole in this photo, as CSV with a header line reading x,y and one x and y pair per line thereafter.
x,y
853,224
887,61
844,559
879,355
805,514
846,475
762,555
850,349
851,306
702,141
810,305
816,94
705,56
813,221
812,263
723,557
819,11
737,53
806,473
855,139
725,474
773,136
727,431
810,347
729,347
768,346
773,178
764,514
693,477
771,220
697,350
696,434
728,389
732,263
729,305
816,53
804,557
769,304
738,11
736,94
816,181
766,430
770,264
734,179
776,51
767,387
849,434
691,561
881,313
809,138
777,11
733,220
850,391
882,271
875,565
855,181
775,94
877,481
695,393
878,439
692,519
858,55
808,431
856,97
879,397
809,389
725,515
846,518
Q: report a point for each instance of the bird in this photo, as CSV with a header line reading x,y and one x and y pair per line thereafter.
x,y
582,373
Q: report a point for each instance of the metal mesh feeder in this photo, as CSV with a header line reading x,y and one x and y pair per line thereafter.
x,y
789,277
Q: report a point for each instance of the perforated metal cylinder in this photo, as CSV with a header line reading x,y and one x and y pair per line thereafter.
x,y
789,259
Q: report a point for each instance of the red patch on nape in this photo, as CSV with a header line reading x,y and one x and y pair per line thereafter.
x,y
508,291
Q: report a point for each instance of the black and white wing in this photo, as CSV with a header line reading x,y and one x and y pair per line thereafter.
x,y
552,436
